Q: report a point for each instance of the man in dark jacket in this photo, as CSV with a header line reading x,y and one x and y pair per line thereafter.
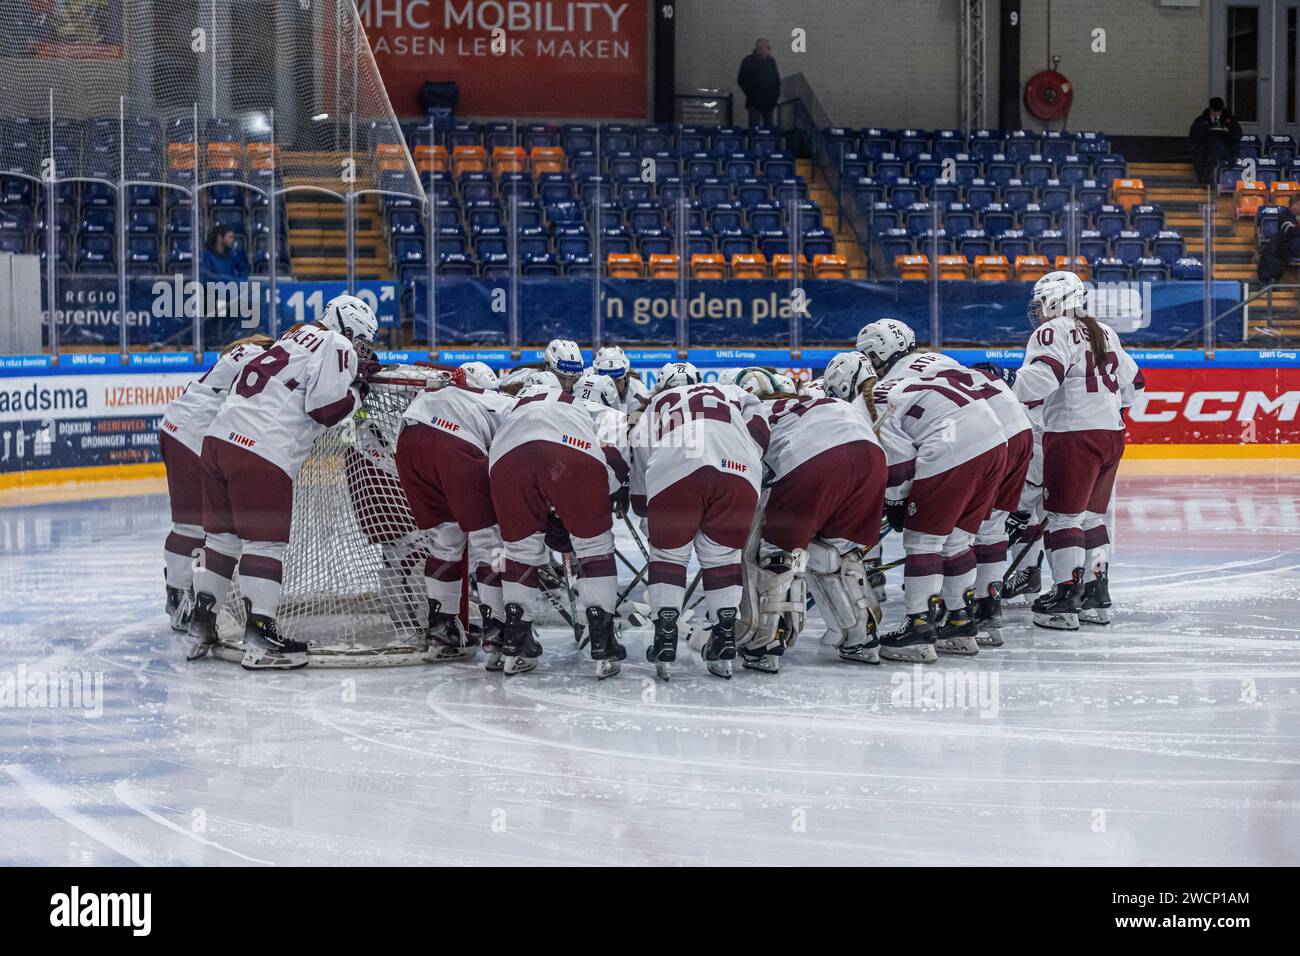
x,y
760,81
223,260
1214,135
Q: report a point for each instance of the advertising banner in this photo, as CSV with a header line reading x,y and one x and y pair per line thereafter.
x,y
594,55
1217,406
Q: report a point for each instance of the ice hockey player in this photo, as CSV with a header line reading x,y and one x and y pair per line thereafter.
x,y
564,360
696,472
1078,369
1026,525
480,375
306,382
946,456
991,541
442,461
632,393
180,441
826,486
547,456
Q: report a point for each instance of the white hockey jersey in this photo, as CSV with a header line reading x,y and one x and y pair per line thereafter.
x,y
802,428
189,414
283,399
558,418
1059,370
631,400
934,421
471,414
691,427
1013,415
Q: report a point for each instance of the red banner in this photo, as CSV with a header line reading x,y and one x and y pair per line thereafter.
x,y
1217,406
515,57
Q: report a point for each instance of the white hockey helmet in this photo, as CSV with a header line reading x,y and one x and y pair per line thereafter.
x,y
1055,295
612,361
564,358
676,374
757,381
885,341
846,374
540,383
351,317
480,375
597,389
817,387
785,384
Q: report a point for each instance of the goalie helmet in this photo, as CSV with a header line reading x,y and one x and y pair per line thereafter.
x,y
612,361
846,374
757,381
350,317
785,384
564,358
677,374
1055,295
886,341
597,389
480,375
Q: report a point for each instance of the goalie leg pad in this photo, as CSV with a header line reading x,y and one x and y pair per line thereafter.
x,y
782,601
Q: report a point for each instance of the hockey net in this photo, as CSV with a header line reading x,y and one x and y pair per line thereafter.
x,y
354,570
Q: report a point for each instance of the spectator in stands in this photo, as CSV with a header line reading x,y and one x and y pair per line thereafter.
x,y
1214,134
1282,248
222,261
760,81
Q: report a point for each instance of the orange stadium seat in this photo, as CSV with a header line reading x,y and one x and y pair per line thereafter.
x,y
468,159
225,156
992,268
623,265
953,267
1248,197
1282,192
546,159
664,265
783,266
180,157
431,159
912,267
1128,192
708,265
263,156
1032,268
748,265
826,266
508,159
1080,267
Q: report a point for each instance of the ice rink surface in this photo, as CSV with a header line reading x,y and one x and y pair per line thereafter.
x,y
1172,737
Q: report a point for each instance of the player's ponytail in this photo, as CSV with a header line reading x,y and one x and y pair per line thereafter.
x,y
1096,337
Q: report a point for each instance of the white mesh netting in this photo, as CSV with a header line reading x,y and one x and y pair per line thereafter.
x,y
354,569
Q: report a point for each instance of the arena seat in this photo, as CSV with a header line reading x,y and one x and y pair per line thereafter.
x,y
992,268
708,265
1128,192
431,158
826,266
748,265
1283,192
1079,266
508,159
953,267
664,265
468,159
783,265
912,267
1248,197
546,159
1032,268
624,265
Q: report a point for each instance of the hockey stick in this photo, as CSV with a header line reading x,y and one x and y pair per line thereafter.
x,y
547,576
636,536
1030,541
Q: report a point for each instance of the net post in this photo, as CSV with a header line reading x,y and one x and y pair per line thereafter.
x,y
52,246
273,320
349,199
123,341
195,254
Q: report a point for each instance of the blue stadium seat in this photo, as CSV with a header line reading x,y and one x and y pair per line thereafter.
x,y
143,221
1014,243
1109,220
713,191
947,143
1055,145
1268,219
895,242
655,139
793,187
763,142
985,144
957,218
1168,245
1019,144
571,244
750,192
142,255
945,194
1249,147
95,255
409,255
15,242
1054,195
449,264
615,241
230,217
98,220
1073,170
980,193
532,241
734,242
1035,220
729,139
817,242
974,242
904,193
1036,170
1017,195
694,139
1188,268
888,169
1087,142
180,253
764,218
1151,269
935,243
727,216
919,217
874,142
997,219
1091,194
1092,244
540,264
1110,269
1128,246
925,169
701,167
910,143
653,242
578,265
575,138
1147,219
1280,148
1052,244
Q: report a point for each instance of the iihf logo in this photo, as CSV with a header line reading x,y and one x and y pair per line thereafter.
x,y
577,442
729,465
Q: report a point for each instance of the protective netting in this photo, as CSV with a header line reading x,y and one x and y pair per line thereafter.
x,y
354,570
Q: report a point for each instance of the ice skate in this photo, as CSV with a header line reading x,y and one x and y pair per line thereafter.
x,y
719,648
447,638
912,642
202,632
1024,582
958,633
491,638
519,647
606,650
180,607
266,649
766,661
1095,608
1059,608
988,618
663,649
860,646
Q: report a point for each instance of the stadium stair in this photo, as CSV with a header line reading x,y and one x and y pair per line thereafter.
x,y
846,244
318,233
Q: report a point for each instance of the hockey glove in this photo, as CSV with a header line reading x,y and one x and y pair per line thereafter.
x,y
1017,522
618,501
896,514
993,370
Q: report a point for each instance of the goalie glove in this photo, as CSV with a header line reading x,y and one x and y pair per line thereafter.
x,y
1017,522
896,514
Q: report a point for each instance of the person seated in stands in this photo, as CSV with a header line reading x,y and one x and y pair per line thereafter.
x,y
222,260
1215,135
1278,251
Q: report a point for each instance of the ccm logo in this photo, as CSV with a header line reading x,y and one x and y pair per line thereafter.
x,y
244,440
1212,406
